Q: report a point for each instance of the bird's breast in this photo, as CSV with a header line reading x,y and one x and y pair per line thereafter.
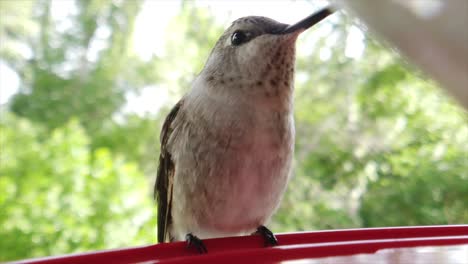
x,y
239,160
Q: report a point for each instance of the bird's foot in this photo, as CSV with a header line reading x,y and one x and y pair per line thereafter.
x,y
194,241
268,236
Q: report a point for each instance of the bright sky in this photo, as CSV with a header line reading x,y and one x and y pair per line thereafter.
x,y
151,25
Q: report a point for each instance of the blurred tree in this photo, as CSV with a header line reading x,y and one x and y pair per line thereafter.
x,y
16,28
190,38
418,175
377,145
80,65
56,199
136,138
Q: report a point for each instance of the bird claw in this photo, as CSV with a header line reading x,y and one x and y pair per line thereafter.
x,y
194,241
268,236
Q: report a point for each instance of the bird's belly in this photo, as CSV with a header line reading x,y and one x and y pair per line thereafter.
x,y
252,192
243,188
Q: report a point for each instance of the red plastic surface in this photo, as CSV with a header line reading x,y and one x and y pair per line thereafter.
x,y
398,244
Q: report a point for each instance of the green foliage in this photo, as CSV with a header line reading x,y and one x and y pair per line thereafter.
x,y
135,138
57,197
16,25
190,38
376,146
63,79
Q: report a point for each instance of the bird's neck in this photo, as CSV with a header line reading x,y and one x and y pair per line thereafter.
x,y
275,93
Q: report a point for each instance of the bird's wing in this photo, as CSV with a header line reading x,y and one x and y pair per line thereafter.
x,y
165,177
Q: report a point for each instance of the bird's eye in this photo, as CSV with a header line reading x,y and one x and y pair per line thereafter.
x,y
238,37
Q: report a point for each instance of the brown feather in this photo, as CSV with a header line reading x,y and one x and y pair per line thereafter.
x,y
164,178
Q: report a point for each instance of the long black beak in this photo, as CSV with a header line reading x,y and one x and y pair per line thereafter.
x,y
308,21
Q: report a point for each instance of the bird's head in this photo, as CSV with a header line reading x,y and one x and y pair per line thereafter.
x,y
256,52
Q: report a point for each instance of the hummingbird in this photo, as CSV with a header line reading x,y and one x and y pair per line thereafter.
x,y
227,145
